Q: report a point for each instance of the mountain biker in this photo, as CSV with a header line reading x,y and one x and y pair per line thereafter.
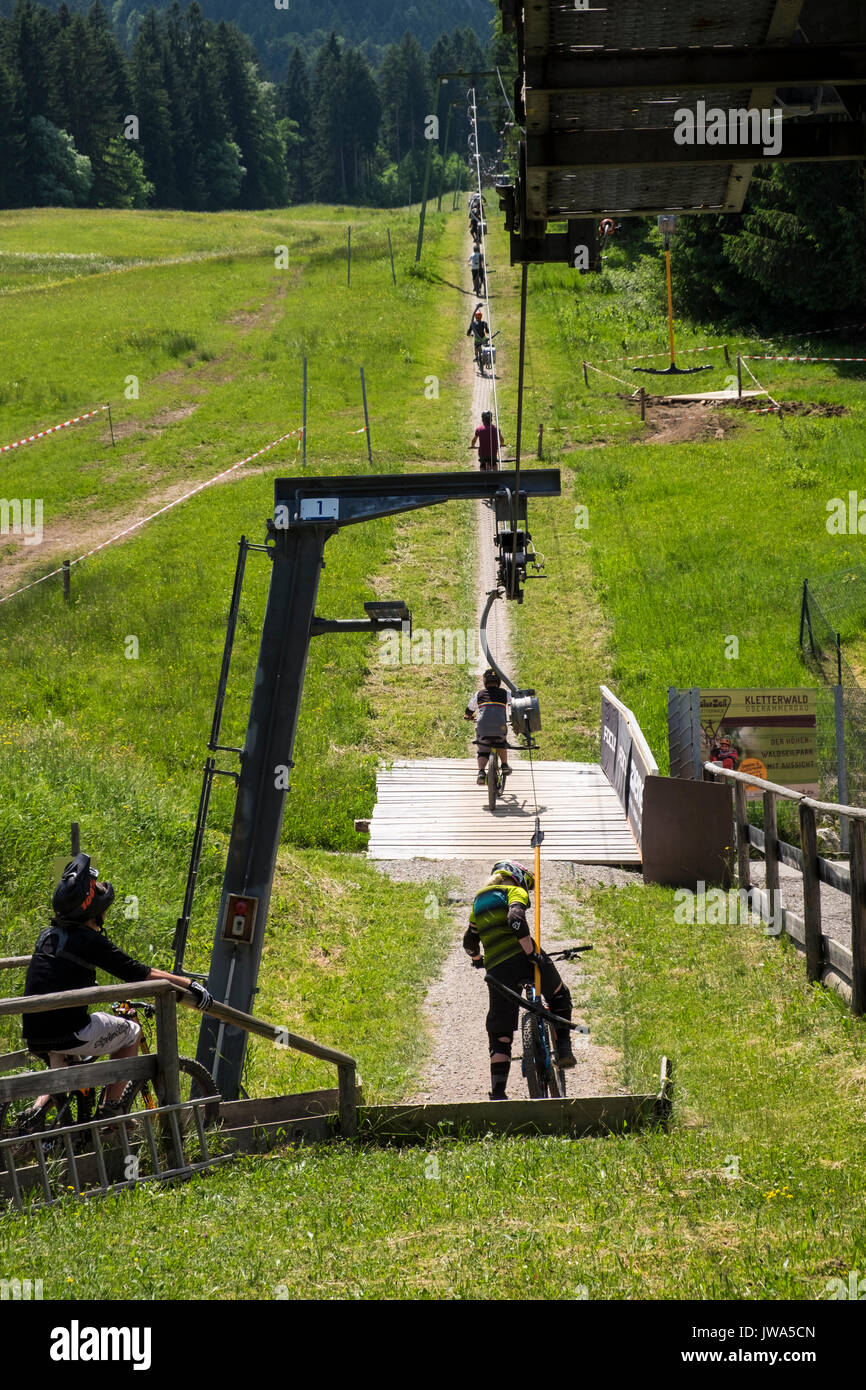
x,y
478,329
489,708
484,441
66,957
476,263
498,923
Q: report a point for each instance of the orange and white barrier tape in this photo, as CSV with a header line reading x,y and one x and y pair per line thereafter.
x,y
642,356
136,525
52,429
754,357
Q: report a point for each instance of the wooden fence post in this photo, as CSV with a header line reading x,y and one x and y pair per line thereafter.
x,y
642,403
168,1072
858,917
771,858
540,440
739,377
347,1102
811,892
66,585
585,377
742,819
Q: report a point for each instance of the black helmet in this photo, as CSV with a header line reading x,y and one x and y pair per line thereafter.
x,y
79,895
491,677
487,417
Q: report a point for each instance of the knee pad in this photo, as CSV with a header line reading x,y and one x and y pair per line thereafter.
x,y
560,1003
497,1045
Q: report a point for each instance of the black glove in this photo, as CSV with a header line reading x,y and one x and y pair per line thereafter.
x,y
200,996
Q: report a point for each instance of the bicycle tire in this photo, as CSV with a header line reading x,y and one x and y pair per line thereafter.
x,y
555,1079
532,1070
492,764
138,1093
70,1108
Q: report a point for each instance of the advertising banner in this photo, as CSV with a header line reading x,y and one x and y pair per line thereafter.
x,y
765,733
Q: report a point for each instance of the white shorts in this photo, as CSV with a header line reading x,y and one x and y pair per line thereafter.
x,y
104,1034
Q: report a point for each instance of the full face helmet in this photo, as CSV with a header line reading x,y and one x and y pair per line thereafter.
x,y
491,678
522,876
80,895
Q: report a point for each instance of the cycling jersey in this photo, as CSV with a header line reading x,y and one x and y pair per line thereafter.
x,y
492,708
487,447
498,921
67,956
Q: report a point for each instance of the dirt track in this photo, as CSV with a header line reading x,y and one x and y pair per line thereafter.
x,y
456,1005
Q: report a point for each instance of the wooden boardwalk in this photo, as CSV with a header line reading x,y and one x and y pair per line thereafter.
x,y
431,808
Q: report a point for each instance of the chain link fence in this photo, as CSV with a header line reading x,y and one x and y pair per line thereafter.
x,y
833,622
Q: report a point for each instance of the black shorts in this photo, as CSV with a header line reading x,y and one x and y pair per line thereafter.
x,y
503,1014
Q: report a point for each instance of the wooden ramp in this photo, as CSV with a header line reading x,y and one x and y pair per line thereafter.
x,y
431,808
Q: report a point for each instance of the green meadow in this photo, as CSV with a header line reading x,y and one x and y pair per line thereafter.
x,y
754,1193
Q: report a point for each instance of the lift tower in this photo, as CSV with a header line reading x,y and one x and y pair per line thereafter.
x,y
307,512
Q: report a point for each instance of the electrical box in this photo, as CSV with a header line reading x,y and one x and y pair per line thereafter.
x,y
240,918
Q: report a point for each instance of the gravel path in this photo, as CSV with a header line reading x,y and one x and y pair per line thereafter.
x,y
456,1004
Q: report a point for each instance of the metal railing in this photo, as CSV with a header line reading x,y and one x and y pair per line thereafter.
x,y
827,960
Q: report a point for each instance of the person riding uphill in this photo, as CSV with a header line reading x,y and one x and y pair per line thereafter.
x,y
498,923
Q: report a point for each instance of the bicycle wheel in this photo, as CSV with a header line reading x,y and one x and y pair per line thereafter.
x,y
533,1068
195,1080
554,1076
19,1119
492,778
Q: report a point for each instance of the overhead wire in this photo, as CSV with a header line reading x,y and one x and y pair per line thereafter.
x,y
539,834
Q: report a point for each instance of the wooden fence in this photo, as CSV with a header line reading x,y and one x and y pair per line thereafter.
x,y
160,1066
827,960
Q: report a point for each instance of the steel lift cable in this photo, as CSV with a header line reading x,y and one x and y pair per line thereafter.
x,y
481,223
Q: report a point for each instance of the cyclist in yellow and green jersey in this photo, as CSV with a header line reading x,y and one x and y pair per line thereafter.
x,y
498,924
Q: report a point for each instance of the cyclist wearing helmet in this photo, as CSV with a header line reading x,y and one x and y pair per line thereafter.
x,y
478,329
485,442
66,956
489,708
498,924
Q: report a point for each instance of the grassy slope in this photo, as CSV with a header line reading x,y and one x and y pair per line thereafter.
x,y
754,1193
119,749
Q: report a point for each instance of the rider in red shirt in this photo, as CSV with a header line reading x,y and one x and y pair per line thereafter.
x,y
484,441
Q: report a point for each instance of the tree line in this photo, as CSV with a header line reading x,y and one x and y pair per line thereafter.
x,y
188,120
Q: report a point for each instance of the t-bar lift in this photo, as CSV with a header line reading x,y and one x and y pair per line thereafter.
x,y
307,512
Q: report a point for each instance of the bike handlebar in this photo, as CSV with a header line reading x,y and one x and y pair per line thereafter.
x,y
538,1009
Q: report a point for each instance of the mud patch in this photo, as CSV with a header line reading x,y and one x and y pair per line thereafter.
x,y
687,422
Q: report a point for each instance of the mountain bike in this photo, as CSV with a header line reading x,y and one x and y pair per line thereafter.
x,y
495,772
544,1076
20,1119
485,353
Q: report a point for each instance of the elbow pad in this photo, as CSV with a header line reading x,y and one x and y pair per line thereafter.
x,y
471,941
517,921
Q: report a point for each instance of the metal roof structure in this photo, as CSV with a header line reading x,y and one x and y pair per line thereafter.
x,y
601,88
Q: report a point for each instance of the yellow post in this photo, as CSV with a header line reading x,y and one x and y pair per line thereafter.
x,y
670,305
537,913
